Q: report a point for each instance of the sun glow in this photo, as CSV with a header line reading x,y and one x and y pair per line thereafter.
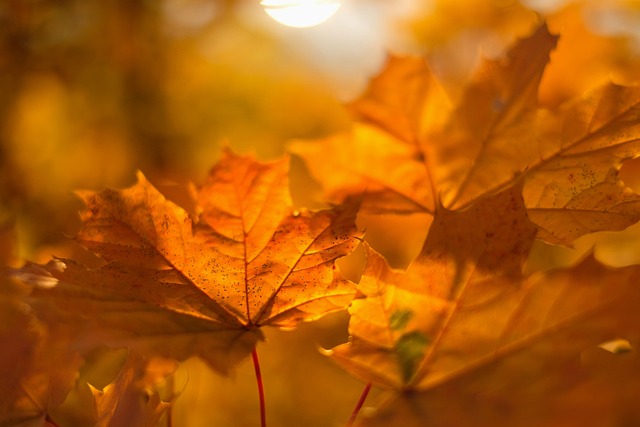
x,y
301,13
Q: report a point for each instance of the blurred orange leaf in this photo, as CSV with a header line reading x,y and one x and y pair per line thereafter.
x,y
126,401
402,110
488,139
39,363
496,134
386,172
457,155
381,158
463,323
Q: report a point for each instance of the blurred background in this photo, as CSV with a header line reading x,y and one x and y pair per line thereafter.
x,y
93,90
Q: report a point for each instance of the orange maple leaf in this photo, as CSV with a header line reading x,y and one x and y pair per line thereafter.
x,y
39,362
496,134
182,287
122,402
463,323
381,159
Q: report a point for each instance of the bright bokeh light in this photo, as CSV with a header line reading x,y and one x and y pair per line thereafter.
x,y
301,13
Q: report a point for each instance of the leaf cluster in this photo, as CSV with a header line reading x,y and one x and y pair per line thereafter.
x,y
462,336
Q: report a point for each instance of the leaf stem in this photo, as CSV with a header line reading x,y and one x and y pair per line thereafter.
x,y
256,365
356,410
171,385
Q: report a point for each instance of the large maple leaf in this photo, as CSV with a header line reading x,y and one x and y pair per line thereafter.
x,y
412,149
184,288
462,327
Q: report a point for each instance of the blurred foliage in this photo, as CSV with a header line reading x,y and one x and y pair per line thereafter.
x,y
93,90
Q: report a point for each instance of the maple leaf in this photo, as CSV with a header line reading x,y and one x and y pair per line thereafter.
x,y
451,147
38,363
181,288
488,138
462,324
495,135
380,159
387,173
575,395
404,111
122,402
574,188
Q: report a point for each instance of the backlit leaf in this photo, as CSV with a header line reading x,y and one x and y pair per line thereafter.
x,y
356,163
575,189
488,140
496,134
39,360
129,400
39,364
403,111
181,287
481,330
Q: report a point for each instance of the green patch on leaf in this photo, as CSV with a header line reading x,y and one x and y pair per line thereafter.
x,y
410,350
399,319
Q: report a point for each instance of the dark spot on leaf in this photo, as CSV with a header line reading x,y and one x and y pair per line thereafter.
x,y
410,349
399,319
